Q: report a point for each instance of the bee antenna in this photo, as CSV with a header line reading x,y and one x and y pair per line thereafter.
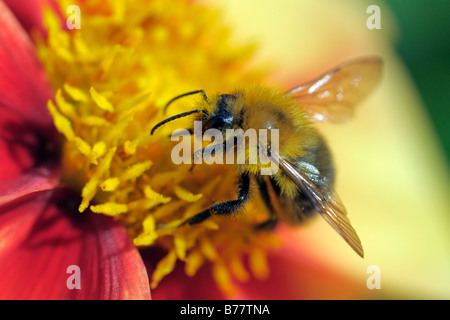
x,y
181,115
184,95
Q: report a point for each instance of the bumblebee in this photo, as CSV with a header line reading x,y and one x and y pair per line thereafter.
x,y
304,183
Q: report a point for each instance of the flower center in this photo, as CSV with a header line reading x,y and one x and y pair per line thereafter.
x,y
112,78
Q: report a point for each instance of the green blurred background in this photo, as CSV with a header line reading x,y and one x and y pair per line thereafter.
x,y
424,45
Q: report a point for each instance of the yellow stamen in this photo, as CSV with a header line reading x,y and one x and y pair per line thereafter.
x,y
90,189
62,124
110,184
130,146
164,267
75,93
97,151
66,108
223,278
83,146
193,262
110,208
208,250
136,170
258,263
149,234
180,248
88,193
238,269
101,100
185,195
94,121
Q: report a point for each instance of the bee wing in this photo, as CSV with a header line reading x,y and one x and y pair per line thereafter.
x,y
334,95
330,207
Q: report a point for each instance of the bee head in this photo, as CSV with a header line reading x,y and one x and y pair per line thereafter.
x,y
221,117
217,114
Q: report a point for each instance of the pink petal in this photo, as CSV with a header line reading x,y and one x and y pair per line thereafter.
x,y
42,235
27,134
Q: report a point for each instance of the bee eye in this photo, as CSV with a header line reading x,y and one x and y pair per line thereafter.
x,y
217,123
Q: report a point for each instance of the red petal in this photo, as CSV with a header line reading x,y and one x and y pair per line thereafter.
x,y
38,179
27,134
41,236
29,12
23,83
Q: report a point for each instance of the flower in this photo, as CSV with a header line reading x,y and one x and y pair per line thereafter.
x,y
105,117
40,239
108,181
106,152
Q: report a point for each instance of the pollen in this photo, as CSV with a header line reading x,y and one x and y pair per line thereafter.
x,y
111,80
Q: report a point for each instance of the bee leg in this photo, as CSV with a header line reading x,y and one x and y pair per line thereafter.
x,y
226,207
270,223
